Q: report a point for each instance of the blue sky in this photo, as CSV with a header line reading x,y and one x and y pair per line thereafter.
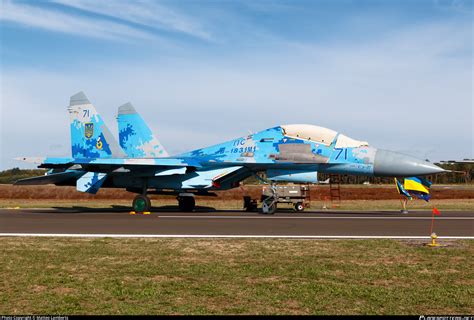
x,y
395,73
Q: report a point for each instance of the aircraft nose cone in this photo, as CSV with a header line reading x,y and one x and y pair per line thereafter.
x,y
394,164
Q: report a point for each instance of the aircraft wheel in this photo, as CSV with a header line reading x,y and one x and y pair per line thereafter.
x,y
249,204
186,203
299,206
141,203
269,206
272,208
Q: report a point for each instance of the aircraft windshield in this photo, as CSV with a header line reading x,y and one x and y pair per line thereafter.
x,y
346,142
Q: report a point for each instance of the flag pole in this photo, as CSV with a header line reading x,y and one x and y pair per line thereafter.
x,y
432,222
433,212
433,235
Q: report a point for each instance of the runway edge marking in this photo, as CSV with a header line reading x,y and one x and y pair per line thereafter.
x,y
78,235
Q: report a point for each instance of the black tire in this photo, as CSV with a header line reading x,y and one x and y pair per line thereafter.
x,y
186,203
148,204
272,208
299,207
141,203
247,203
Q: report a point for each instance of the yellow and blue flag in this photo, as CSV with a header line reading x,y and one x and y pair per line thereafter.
x,y
401,189
419,187
417,184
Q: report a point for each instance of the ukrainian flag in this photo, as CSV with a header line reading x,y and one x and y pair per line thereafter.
x,y
420,187
401,189
417,184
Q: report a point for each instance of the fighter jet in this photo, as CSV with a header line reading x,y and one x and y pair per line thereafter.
x,y
140,164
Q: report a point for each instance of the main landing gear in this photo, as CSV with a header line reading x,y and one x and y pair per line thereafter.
x,y
186,202
141,204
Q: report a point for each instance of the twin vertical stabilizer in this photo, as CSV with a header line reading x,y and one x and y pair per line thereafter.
x,y
91,139
136,138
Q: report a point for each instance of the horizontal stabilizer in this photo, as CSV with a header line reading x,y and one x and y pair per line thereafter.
x,y
91,182
50,178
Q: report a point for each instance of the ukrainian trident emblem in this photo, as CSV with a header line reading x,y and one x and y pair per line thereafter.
x,y
88,130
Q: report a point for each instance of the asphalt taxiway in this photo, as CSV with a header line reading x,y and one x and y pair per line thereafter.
x,y
206,222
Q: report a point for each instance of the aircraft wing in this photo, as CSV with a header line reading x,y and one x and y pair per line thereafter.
x,y
50,178
121,164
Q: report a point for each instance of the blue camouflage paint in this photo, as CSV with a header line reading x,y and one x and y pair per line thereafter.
x,y
125,136
135,137
267,142
83,147
90,182
288,152
255,152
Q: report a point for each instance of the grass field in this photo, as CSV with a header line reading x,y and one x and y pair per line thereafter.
x,y
442,204
190,276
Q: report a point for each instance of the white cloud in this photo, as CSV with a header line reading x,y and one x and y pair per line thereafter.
x,y
31,16
409,91
143,12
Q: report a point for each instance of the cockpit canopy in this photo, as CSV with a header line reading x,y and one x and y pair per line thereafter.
x,y
321,135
